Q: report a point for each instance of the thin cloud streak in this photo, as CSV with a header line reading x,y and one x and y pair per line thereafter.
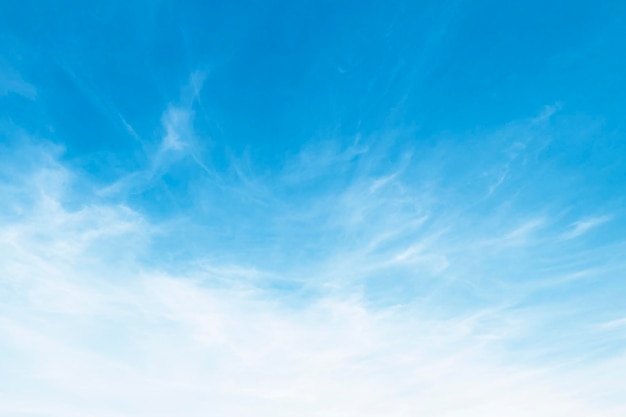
x,y
581,227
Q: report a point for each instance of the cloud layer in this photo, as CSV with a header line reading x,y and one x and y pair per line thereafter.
x,y
312,209
387,298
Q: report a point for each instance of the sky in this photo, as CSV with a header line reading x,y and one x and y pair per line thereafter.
x,y
312,208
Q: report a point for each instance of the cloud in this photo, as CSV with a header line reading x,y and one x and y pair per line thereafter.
x,y
154,344
178,129
614,324
581,227
91,323
12,82
178,142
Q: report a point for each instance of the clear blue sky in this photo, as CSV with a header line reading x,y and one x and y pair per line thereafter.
x,y
312,208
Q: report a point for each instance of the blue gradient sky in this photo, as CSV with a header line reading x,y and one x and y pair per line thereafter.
x,y
312,208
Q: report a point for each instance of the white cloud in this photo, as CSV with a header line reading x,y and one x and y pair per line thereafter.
x,y
178,129
583,226
164,345
89,327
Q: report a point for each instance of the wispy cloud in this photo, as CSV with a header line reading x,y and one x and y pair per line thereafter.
x,y
178,129
581,227
614,324
87,310
300,210
12,82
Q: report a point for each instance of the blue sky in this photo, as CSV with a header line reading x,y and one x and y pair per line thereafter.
x,y
312,208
